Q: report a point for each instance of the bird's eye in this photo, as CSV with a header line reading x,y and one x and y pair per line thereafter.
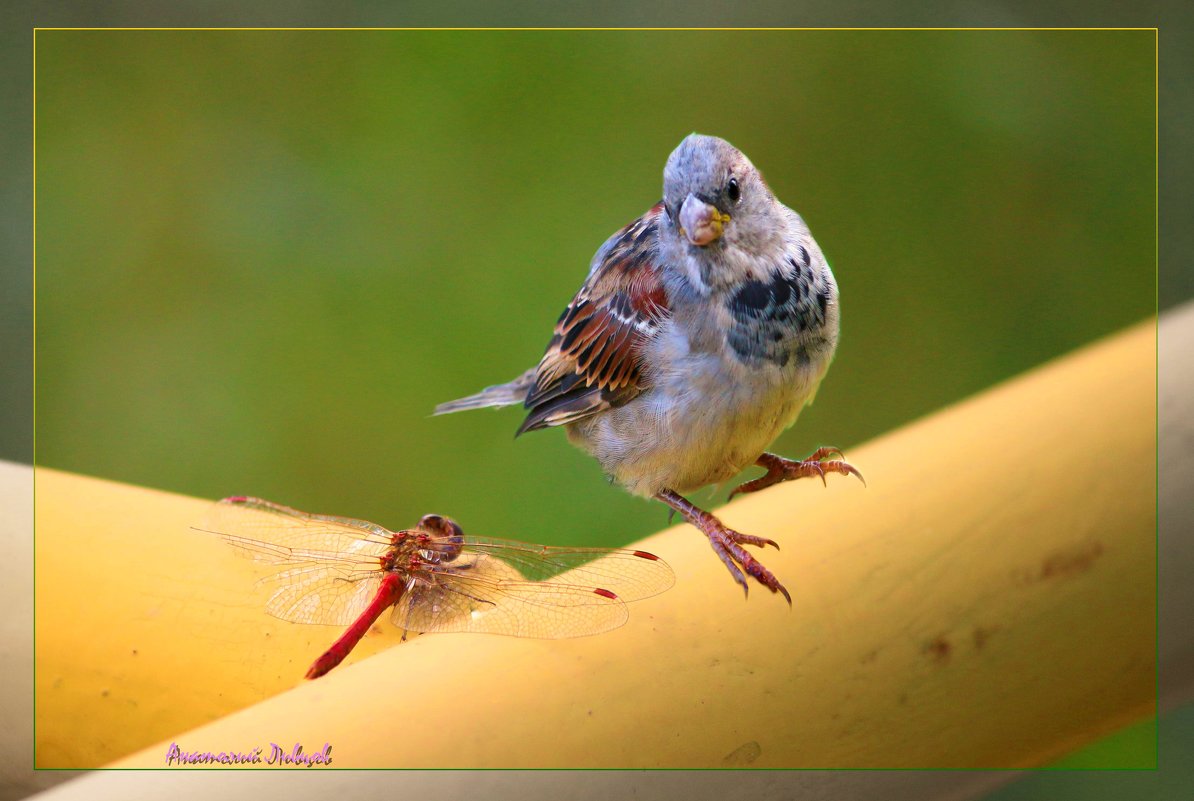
x,y
733,190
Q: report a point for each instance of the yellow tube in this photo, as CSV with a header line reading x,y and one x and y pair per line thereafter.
x,y
988,601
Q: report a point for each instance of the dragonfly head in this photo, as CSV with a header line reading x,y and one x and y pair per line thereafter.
x,y
447,537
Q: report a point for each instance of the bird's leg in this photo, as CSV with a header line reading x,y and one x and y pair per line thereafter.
x,y
781,469
727,544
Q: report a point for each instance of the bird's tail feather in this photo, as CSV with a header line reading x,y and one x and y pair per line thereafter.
x,y
509,394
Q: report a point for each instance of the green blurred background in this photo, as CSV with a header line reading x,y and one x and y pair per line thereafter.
x,y
263,257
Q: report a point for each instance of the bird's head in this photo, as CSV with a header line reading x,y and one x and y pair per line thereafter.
x,y
719,207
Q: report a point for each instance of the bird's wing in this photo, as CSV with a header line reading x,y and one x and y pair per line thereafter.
x,y
593,361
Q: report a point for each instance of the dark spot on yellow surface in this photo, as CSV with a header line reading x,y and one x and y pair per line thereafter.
x,y
1071,561
938,649
869,657
743,755
982,634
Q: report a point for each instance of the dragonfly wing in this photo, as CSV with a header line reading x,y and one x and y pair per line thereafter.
x,y
631,575
271,532
319,594
332,564
480,594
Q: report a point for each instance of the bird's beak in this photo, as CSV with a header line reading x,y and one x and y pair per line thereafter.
x,y
699,222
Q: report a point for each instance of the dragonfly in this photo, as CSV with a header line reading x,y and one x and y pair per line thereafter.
x,y
339,571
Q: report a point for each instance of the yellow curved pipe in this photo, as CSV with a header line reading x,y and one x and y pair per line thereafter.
x,y
988,601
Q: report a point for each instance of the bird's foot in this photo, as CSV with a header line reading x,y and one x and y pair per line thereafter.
x,y
727,544
780,469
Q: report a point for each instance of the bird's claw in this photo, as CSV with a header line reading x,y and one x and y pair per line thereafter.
x,y
727,544
738,560
780,469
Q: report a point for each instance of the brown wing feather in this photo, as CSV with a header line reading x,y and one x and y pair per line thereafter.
x,y
593,360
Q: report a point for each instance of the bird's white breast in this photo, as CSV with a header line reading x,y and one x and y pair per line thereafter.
x,y
707,414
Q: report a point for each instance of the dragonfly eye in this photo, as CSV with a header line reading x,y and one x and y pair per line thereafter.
x,y
432,522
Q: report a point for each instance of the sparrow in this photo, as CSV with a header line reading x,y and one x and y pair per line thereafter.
x,y
703,329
